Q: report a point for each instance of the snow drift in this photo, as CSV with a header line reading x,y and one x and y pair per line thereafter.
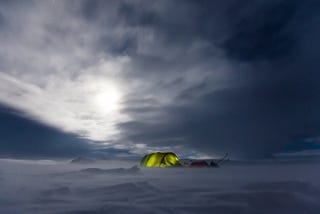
x,y
61,187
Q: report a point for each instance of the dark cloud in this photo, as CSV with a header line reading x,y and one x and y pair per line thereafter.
x,y
269,102
263,32
209,76
136,14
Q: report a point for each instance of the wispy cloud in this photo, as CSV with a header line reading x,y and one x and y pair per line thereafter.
x,y
193,77
51,71
62,69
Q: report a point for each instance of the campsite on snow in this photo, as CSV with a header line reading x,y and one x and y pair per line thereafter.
x,y
159,106
104,186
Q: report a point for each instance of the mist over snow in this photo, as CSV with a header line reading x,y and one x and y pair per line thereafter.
x,y
30,186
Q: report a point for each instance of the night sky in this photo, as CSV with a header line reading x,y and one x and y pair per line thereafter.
x,y
122,78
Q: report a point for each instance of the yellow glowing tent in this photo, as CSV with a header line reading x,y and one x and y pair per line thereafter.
x,y
160,159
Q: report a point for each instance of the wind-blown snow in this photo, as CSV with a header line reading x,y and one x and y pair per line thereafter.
x,y
120,187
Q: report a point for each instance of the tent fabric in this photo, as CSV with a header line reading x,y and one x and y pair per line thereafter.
x,y
160,159
199,164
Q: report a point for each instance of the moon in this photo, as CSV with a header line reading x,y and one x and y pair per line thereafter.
x,y
107,100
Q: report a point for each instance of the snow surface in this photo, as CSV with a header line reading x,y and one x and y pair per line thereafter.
x,y
119,187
